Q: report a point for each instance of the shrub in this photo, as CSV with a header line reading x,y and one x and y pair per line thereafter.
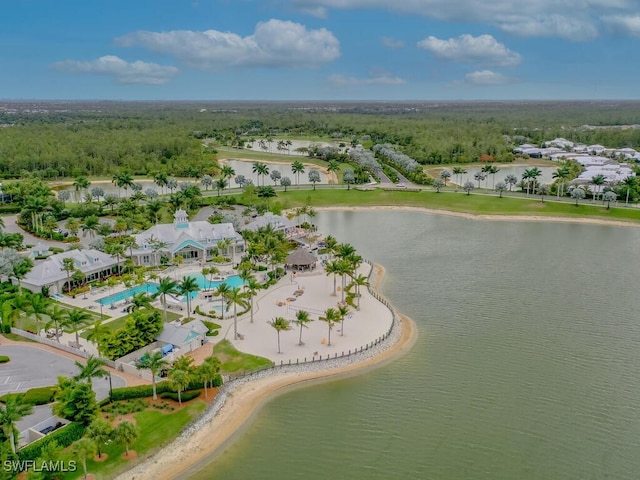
x,y
56,249
4,359
139,391
64,437
39,396
185,396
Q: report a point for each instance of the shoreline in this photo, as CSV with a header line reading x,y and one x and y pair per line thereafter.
x,y
486,217
231,412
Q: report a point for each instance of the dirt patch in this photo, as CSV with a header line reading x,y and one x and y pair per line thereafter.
x,y
128,456
101,458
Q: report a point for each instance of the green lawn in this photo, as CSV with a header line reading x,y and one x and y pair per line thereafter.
x,y
157,429
233,360
119,323
248,154
456,202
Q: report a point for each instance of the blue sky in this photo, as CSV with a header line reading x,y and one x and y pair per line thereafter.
x,y
319,49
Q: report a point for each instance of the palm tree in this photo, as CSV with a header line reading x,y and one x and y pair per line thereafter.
x,y
115,250
167,286
492,171
445,175
302,319
501,187
37,308
80,183
11,413
222,291
154,363
260,169
100,432
207,371
479,176
578,194
251,289
629,183
280,324
227,171
20,269
83,449
343,311
598,181
97,333
180,380
92,369
511,180
75,319
139,301
161,179
333,167
330,316
125,433
236,297
56,315
314,177
297,168
186,287
360,281
458,172
542,191
122,180
561,174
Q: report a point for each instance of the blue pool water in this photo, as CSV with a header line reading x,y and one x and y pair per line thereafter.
x,y
151,288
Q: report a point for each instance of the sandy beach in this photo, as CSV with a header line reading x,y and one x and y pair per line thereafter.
x,y
233,412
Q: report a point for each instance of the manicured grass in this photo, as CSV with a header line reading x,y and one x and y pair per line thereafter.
x,y
157,429
248,154
17,338
119,323
233,360
480,204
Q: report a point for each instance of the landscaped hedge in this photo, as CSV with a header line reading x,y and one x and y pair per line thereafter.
x,y
64,437
34,396
4,359
142,391
185,396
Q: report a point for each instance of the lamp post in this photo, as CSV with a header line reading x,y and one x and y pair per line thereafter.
x,y
110,386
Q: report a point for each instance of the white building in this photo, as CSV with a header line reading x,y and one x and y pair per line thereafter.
x,y
277,222
49,273
193,241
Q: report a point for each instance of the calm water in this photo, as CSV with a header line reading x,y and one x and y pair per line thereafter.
x,y
526,367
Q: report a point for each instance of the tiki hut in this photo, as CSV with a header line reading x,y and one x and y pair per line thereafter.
x,y
301,259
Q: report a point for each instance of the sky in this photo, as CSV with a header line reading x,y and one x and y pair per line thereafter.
x,y
296,50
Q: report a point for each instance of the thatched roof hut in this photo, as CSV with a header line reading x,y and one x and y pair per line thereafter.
x,y
301,258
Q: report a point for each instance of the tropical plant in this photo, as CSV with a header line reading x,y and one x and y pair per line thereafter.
x,y
125,433
314,177
445,175
501,187
598,181
629,183
330,317
438,183
561,175
75,401
280,324
100,432
237,298
91,369
186,287
479,176
83,449
297,168
511,180
76,319
222,291
468,187
139,301
207,371
302,319
179,380
10,413
260,169
154,363
578,193
609,197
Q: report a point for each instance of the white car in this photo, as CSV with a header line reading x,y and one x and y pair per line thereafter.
x,y
400,185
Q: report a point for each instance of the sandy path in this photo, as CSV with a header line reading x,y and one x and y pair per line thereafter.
x,y
505,218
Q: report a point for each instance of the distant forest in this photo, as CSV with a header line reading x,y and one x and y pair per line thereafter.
x,y
51,140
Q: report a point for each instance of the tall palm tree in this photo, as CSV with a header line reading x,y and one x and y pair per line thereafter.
x,y
38,308
83,449
154,363
297,168
179,379
100,432
280,324
330,316
186,287
96,333
222,291
261,169
56,316
167,286
251,289
237,298
598,181
511,180
302,319
10,413
139,301
92,369
207,371
458,172
445,175
629,183
360,281
343,311
561,174
125,433
332,268
76,319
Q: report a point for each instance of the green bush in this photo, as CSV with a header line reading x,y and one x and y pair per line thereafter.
x,y
64,437
4,359
185,396
139,391
56,249
39,396
215,333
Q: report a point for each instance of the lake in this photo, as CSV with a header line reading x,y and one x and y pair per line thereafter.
x,y
526,366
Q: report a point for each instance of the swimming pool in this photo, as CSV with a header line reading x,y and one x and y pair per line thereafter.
x,y
204,283
149,288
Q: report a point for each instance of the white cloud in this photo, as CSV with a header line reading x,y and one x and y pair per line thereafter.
x,y
274,43
571,19
486,77
392,42
120,70
377,79
627,24
482,50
